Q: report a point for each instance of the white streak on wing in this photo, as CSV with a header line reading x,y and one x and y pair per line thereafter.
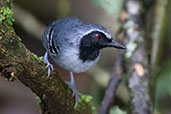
x,y
51,41
48,34
51,36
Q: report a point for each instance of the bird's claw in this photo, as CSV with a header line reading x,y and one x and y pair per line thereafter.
x,y
74,92
50,68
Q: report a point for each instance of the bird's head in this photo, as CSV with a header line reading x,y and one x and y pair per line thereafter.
x,y
96,38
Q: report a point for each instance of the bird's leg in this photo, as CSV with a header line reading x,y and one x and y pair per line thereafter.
x,y
49,66
74,90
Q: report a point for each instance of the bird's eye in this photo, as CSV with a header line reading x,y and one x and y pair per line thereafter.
x,y
99,36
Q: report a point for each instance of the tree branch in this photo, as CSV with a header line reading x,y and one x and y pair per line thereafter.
x,y
136,58
18,62
112,85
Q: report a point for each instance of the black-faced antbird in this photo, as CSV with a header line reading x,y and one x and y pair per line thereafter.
x,y
75,46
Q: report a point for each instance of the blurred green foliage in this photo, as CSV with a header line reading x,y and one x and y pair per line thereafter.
x,y
113,7
164,80
169,25
116,110
164,88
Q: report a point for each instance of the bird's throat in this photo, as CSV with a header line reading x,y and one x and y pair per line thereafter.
x,y
88,54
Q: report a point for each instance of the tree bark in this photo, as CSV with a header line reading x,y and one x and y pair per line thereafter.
x,y
136,57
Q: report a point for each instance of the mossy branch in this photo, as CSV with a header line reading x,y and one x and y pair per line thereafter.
x,y
16,61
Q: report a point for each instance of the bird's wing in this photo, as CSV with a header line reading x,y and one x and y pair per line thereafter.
x,y
56,33
48,40
65,30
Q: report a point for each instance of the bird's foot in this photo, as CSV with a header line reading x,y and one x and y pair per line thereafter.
x,y
49,66
74,92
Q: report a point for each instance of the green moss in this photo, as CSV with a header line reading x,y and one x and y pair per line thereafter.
x,y
85,99
2,30
18,68
12,30
11,79
19,38
9,1
19,43
6,15
39,59
39,101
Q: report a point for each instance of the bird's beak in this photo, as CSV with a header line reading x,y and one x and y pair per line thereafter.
x,y
116,44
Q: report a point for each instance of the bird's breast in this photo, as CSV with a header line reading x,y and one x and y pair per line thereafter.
x,y
71,61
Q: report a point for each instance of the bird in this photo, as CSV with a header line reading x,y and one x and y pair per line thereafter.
x,y
76,46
